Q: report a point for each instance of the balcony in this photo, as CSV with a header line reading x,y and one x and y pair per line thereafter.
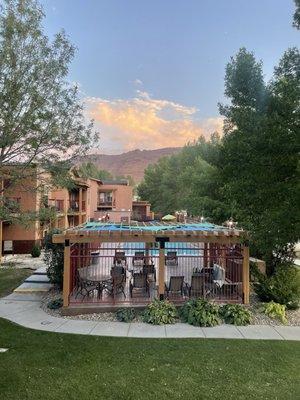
x,y
57,205
106,202
74,206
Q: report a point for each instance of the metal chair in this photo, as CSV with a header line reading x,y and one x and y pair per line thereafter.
x,y
139,284
171,258
175,287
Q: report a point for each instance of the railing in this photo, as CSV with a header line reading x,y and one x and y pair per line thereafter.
x,y
191,270
107,202
58,205
74,205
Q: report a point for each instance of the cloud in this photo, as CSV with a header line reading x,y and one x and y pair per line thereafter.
x,y
138,82
147,123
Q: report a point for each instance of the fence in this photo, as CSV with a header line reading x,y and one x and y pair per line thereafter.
x,y
128,273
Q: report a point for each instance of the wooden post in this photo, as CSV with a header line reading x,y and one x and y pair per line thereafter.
x,y
205,259
67,273
161,272
246,273
80,206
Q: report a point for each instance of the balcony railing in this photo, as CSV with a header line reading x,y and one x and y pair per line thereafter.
x,y
106,202
74,206
57,205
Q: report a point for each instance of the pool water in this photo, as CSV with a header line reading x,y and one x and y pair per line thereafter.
x,y
183,249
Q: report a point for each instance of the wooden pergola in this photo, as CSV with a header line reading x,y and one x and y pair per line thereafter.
x,y
149,233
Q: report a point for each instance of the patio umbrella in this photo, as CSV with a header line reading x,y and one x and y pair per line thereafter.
x,y
168,217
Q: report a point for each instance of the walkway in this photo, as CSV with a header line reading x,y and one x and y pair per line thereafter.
x,y
24,309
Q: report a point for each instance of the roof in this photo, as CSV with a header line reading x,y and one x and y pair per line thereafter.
x,y
100,231
123,182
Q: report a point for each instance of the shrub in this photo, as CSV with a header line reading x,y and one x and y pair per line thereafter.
x,y
125,314
55,304
160,312
200,312
275,311
235,314
36,251
283,287
54,259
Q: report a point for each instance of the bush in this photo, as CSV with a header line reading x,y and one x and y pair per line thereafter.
x,y
160,312
235,314
275,311
200,312
283,287
54,259
125,314
55,304
36,251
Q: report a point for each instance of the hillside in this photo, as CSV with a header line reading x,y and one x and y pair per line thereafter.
x,y
132,163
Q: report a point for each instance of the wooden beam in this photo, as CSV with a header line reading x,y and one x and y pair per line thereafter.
x,y
246,273
161,273
67,274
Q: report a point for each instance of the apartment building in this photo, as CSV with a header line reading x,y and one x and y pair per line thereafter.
x,y
88,200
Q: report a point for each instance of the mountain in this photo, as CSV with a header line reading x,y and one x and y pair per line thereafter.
x,y
132,163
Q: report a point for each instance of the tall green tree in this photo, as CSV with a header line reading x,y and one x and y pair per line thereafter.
x,y
41,117
296,20
188,180
90,170
259,159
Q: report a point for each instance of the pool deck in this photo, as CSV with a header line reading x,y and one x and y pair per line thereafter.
x,y
25,310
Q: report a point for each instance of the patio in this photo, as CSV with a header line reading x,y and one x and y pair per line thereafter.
x,y
109,265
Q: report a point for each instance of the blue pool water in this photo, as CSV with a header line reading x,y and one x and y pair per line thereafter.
x,y
181,248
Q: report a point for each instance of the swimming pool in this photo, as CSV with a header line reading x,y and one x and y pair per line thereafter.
x,y
183,249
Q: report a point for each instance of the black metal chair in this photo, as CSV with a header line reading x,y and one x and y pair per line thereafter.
x,y
85,286
197,287
120,258
171,258
138,258
116,285
139,285
175,287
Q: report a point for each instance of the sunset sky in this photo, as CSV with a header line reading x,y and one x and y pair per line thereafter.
x,y
152,72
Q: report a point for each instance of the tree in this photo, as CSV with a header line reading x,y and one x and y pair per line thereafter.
x,y
41,119
259,156
188,180
296,21
90,170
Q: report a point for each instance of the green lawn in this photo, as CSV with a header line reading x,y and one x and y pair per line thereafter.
x,y
41,365
11,278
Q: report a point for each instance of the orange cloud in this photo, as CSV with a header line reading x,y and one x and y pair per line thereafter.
x,y
147,123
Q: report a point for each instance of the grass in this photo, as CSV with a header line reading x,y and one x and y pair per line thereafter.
x,y
10,278
42,365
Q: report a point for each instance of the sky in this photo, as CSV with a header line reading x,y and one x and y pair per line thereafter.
x,y
151,73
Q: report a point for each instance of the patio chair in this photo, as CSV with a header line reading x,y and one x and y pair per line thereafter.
x,y
197,287
171,258
118,270
175,287
149,269
85,287
138,258
116,285
139,285
120,258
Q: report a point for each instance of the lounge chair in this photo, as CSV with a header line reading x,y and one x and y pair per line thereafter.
x,y
197,287
175,287
139,285
138,258
171,258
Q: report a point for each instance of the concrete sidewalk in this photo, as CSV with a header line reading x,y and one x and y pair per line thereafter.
x,y
25,310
